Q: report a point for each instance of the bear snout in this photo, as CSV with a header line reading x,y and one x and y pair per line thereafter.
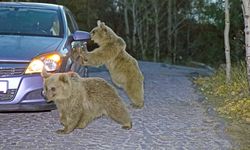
x,y
43,93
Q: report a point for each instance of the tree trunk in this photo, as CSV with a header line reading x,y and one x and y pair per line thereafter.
x,y
170,27
157,36
126,24
246,14
141,41
88,13
134,25
146,34
188,41
227,44
175,33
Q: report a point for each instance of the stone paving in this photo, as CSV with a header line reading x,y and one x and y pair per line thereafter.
x,y
173,119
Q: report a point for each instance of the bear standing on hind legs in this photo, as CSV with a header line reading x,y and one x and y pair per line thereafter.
x,y
123,68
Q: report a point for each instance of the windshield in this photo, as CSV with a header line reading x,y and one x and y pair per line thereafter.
x,y
27,21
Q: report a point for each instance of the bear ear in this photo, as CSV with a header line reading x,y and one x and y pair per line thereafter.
x,y
44,73
63,78
100,24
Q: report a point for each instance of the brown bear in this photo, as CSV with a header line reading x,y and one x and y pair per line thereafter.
x,y
123,68
80,100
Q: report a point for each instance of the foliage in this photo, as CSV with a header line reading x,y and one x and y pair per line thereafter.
x,y
87,12
234,97
196,31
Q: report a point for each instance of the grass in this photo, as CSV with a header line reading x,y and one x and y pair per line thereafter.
x,y
234,98
231,101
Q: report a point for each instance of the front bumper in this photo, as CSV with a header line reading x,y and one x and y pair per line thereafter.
x,y
26,94
27,107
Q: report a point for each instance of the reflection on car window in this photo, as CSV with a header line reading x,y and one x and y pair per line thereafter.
x,y
27,21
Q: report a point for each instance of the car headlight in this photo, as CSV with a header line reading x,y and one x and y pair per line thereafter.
x,y
49,61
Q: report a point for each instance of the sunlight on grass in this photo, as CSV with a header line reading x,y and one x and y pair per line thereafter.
x,y
234,98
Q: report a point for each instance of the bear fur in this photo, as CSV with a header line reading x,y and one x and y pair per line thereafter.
x,y
81,100
123,68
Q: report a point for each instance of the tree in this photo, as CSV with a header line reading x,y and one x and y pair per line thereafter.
x,y
165,30
169,35
157,34
126,23
226,42
246,13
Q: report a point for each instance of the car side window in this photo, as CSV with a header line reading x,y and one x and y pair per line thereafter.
x,y
72,27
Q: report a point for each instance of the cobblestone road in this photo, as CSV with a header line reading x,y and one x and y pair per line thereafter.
x,y
173,118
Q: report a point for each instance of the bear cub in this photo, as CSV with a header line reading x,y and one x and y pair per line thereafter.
x,y
123,68
81,100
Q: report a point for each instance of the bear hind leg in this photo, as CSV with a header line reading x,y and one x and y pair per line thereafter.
x,y
135,92
119,114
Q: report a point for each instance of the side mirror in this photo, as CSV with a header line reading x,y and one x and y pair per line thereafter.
x,y
81,36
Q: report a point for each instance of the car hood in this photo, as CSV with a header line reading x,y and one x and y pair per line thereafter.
x,y
15,47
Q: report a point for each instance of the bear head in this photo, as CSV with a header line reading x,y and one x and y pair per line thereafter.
x,y
56,86
101,33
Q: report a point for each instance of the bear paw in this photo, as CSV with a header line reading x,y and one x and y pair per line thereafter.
x,y
61,131
82,126
137,106
127,126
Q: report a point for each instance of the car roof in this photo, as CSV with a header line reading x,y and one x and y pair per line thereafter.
x,y
31,5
